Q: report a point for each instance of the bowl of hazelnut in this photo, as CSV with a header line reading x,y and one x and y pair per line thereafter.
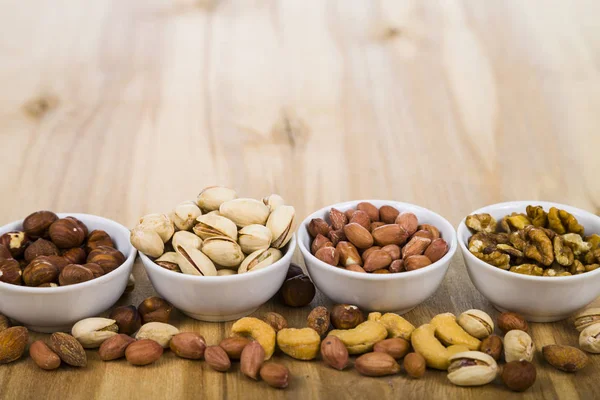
x,y
56,269
536,258
377,254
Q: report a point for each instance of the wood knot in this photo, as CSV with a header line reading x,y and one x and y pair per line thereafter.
x,y
291,130
36,108
390,32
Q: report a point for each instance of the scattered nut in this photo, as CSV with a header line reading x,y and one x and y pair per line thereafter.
x,y
234,346
252,359
258,330
507,321
297,291
519,375
143,352
590,316
217,358
472,368
518,346
155,309
346,316
396,326
277,321
13,342
43,356
68,349
127,319
415,365
91,332
565,358
334,353
376,364
301,344
188,345
492,346
476,323
435,353
157,331
276,375
450,333
362,338
114,347
319,320
395,347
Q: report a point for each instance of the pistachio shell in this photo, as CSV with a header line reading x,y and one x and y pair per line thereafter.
x,y
194,262
586,318
472,368
223,250
589,339
254,237
212,197
260,259
160,332
280,224
273,201
186,239
245,211
226,272
518,346
213,224
159,223
92,332
476,323
147,241
184,215
169,256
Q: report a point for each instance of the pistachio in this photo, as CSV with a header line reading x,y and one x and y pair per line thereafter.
x,y
477,323
588,317
254,237
280,223
184,215
223,251
589,339
91,332
169,256
212,224
273,201
472,368
259,260
194,262
212,197
186,239
159,223
245,211
518,346
147,241
226,272
157,331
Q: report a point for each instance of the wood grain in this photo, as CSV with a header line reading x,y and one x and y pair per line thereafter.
x,y
120,108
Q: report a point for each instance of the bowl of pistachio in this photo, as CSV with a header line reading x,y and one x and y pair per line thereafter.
x,y
539,259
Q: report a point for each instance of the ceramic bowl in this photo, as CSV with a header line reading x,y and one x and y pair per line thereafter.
x,y
57,309
537,298
399,292
220,298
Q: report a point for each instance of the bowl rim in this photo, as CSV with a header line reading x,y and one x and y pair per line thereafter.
x,y
76,287
462,227
441,263
285,259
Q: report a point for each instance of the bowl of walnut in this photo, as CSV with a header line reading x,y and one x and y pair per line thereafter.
x,y
56,269
537,258
380,255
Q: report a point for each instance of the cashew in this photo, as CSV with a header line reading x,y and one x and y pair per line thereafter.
x,y
258,330
397,327
301,344
436,355
449,332
362,338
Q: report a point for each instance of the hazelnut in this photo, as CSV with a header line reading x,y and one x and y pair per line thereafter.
x,y
297,291
98,238
155,309
508,321
36,225
4,252
16,242
40,271
127,319
96,269
294,270
80,224
73,274
277,321
76,255
58,261
492,346
519,375
40,247
346,316
66,233
10,271
319,319
108,258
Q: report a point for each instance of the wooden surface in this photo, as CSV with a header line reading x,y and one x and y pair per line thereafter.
x,y
120,108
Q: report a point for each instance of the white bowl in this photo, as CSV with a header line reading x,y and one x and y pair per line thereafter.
x,y
57,309
220,298
538,299
400,292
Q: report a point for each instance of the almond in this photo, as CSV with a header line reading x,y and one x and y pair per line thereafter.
x,y
358,235
318,225
388,214
334,353
43,356
393,250
361,218
382,271
13,342
436,250
423,233
188,345
395,347
252,359
348,254
114,347
376,364
408,221
415,262
276,375
390,234
415,247
328,255
370,209
367,252
318,242
375,225
349,213
68,349
435,232
355,268
143,352
336,236
234,346
338,219
217,358
377,260
397,266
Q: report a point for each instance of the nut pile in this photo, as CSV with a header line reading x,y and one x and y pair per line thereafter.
x,y
535,243
50,251
375,240
218,234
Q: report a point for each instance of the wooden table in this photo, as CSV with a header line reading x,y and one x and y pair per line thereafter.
x,y
120,108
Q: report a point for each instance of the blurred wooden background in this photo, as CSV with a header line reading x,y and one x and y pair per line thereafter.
x,y
120,108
